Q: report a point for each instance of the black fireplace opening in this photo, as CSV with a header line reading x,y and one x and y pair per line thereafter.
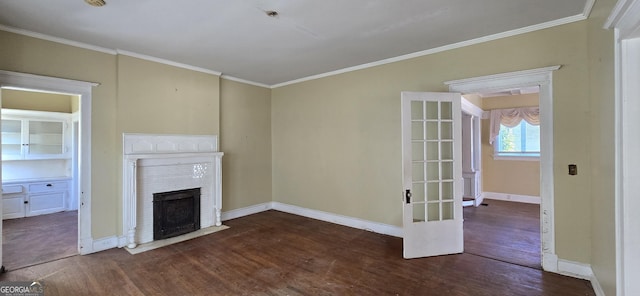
x,y
176,213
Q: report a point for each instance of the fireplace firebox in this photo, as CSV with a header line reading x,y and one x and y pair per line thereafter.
x,y
176,213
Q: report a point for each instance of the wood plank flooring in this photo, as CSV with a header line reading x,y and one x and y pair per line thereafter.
x,y
274,253
38,239
504,230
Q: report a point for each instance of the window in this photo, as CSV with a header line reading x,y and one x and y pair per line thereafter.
x,y
522,140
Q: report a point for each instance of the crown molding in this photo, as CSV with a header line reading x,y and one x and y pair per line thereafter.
x,y
558,22
579,17
57,39
166,62
236,79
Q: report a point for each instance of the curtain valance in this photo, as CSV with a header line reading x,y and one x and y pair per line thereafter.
x,y
511,118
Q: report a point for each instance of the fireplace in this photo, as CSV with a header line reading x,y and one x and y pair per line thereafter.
x,y
176,213
155,163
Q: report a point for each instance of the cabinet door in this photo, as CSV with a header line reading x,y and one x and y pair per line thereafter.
x,y
13,206
45,203
45,138
11,139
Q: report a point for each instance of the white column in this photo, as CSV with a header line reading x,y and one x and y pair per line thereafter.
x,y
130,204
218,189
467,143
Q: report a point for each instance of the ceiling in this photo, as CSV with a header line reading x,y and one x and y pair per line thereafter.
x,y
307,38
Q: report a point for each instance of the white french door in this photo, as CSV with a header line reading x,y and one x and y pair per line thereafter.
x,y
432,174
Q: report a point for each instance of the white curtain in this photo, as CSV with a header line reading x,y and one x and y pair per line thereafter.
x,y
511,118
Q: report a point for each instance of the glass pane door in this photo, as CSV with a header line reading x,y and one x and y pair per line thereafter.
x,y
431,174
45,137
11,137
432,161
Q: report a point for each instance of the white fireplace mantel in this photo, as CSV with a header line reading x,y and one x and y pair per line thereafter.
x,y
166,156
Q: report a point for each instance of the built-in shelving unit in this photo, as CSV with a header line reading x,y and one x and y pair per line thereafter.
x,y
35,135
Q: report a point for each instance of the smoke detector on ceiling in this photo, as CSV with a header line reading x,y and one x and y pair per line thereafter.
x,y
96,2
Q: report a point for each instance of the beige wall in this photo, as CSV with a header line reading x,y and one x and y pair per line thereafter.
x,y
601,124
245,129
39,101
336,140
508,176
157,98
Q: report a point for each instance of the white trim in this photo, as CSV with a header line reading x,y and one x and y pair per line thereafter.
x,y
340,219
84,90
531,199
57,39
227,77
106,50
105,243
587,8
597,288
581,271
478,201
625,20
559,22
542,77
246,211
624,17
497,82
470,108
497,156
167,62
315,214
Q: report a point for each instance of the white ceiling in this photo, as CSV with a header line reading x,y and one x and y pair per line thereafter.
x,y
309,37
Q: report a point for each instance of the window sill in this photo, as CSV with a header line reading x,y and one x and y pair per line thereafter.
x,y
517,157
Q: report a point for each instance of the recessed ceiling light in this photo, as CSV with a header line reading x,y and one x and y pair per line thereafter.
x,y
96,2
271,13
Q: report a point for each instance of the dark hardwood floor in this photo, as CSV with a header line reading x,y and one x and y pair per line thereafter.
x,y
274,253
38,239
504,230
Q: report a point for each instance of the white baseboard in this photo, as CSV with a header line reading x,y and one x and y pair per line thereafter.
x,y
550,262
246,211
596,287
511,197
86,246
581,271
575,269
105,243
122,241
340,219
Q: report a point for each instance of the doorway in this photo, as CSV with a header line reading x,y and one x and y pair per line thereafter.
x,y
502,222
38,168
542,78
23,81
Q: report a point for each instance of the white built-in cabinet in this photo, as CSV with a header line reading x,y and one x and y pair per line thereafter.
x,y
31,137
31,198
28,135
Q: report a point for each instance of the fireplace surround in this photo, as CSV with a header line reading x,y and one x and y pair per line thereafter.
x,y
155,163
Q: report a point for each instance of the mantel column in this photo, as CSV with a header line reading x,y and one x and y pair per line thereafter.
x,y
130,201
218,190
